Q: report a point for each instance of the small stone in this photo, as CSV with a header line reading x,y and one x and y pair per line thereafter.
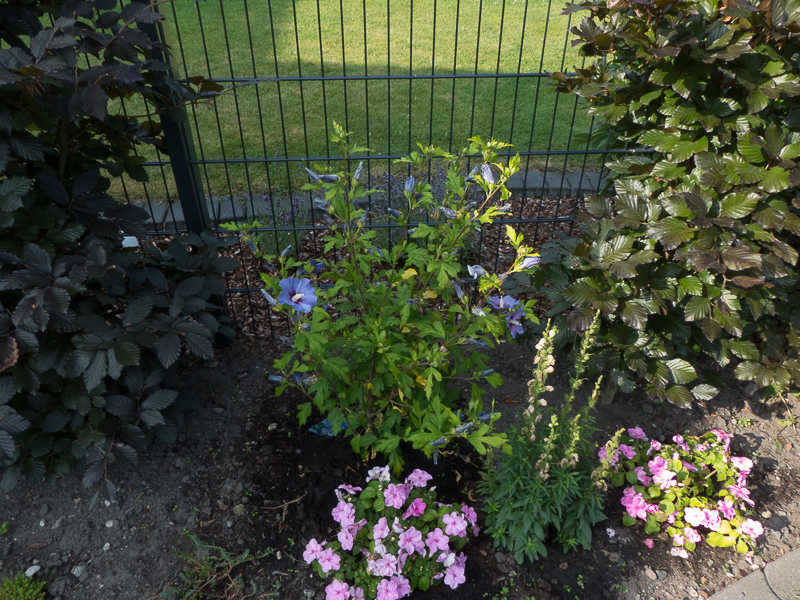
x,y
78,570
750,389
563,566
106,547
308,593
272,427
766,514
248,426
500,557
32,570
662,574
229,524
648,409
297,451
238,510
42,523
110,524
693,592
650,573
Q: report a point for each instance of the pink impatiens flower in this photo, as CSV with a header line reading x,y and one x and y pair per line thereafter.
x,y
454,576
455,524
419,478
344,513
649,543
411,541
642,476
416,508
751,528
381,529
386,566
693,516
726,508
403,586
346,538
337,590
387,590
692,535
637,507
665,479
678,539
742,463
680,443
629,452
329,560
637,433
711,519
741,493
679,552
437,540
313,551
655,445
395,495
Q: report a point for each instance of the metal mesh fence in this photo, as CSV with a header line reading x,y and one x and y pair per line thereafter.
x,y
395,72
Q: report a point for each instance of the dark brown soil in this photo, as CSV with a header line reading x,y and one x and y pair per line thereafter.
x,y
244,476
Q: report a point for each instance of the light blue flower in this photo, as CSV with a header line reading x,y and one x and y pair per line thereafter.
x,y
529,262
504,302
447,212
297,293
476,271
514,322
410,183
486,173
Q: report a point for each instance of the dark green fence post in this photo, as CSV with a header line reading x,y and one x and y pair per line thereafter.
x,y
179,140
182,155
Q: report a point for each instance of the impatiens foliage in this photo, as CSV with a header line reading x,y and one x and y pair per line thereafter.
x,y
384,336
393,538
690,489
696,251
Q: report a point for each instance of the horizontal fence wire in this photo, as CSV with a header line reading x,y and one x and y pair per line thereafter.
x,y
394,72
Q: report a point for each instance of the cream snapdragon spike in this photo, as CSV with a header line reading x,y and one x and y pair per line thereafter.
x,y
691,489
393,538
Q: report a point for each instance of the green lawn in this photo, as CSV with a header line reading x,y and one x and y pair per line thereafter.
x,y
356,38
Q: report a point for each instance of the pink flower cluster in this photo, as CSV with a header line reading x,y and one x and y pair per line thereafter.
x,y
668,479
395,544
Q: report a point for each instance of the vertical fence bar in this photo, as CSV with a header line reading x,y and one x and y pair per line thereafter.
x,y
179,141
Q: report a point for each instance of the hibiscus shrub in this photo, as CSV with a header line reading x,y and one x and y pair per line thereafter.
x,y
384,338
547,487
393,538
688,489
695,254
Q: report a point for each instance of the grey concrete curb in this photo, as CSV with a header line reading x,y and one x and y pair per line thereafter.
x,y
780,580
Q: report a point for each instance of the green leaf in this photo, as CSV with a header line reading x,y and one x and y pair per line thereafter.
x,y
635,314
126,352
747,370
697,308
55,421
738,205
679,396
776,180
628,520
691,285
138,310
160,399
168,348
671,232
681,371
704,391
